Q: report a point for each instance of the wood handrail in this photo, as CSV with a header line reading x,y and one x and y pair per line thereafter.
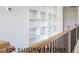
x,y
48,40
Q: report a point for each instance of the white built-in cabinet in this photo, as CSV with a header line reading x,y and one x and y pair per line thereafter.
x,y
42,23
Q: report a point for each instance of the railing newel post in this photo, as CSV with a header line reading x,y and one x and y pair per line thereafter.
x,y
69,41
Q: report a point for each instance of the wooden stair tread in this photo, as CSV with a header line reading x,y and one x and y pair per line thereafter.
x,y
4,44
5,50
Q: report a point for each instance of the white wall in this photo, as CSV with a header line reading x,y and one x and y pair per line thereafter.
x,y
14,26
70,16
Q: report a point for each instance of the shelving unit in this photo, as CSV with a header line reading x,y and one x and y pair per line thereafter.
x,y
52,20
42,23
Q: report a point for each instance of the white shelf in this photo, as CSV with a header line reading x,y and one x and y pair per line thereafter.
x,y
42,15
